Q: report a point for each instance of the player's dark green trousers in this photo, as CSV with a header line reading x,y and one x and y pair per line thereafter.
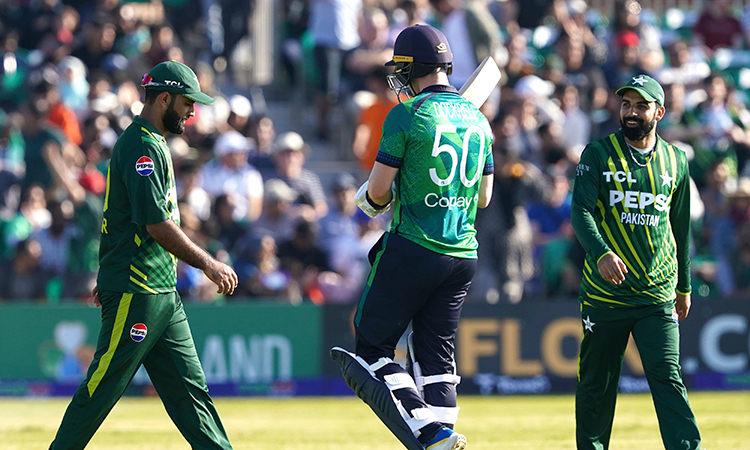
x,y
605,336
151,330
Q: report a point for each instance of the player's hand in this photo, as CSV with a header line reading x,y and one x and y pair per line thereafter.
x,y
365,204
95,297
682,305
612,269
223,277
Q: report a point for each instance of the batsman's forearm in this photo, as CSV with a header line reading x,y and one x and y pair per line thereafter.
x,y
175,241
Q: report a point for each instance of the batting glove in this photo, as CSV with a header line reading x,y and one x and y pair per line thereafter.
x,y
369,207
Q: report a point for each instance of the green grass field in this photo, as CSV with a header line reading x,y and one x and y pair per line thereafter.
x,y
490,423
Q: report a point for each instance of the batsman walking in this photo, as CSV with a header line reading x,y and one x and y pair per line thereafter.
x,y
143,321
434,167
631,213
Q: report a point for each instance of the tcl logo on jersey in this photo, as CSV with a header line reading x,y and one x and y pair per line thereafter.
x,y
144,166
138,332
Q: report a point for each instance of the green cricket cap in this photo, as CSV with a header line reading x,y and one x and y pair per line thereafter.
x,y
177,78
649,88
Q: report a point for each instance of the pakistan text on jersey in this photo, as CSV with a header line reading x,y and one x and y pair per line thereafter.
x,y
433,200
453,110
650,220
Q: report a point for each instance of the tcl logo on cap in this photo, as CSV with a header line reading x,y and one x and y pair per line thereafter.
x,y
144,166
138,332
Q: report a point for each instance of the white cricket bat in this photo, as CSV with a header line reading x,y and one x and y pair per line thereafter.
x,y
480,84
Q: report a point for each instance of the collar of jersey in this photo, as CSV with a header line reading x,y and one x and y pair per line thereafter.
x,y
151,129
439,88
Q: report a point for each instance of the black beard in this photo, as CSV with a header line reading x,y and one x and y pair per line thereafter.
x,y
639,132
171,120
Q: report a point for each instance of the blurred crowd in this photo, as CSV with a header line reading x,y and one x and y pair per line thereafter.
x,y
70,84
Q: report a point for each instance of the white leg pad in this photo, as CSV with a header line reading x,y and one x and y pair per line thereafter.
x,y
421,417
445,414
432,379
396,381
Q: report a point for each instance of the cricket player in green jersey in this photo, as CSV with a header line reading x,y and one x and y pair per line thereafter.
x,y
435,168
143,321
631,213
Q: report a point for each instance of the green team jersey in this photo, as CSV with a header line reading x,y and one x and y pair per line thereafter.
x,y
638,210
441,145
140,191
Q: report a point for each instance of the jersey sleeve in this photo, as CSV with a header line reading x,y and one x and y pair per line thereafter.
x,y
395,136
489,162
585,197
146,175
679,217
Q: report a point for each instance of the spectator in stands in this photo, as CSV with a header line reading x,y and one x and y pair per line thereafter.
x,y
38,20
278,217
473,34
624,63
373,51
717,28
189,190
304,259
726,237
369,126
503,229
723,132
132,33
74,87
340,238
629,15
56,238
576,125
407,14
333,27
32,215
240,110
11,164
520,60
38,135
263,132
23,278
289,158
589,79
684,67
555,157
294,20
83,263
230,173
221,226
260,272
531,13
98,41
340,223
58,113
552,231
677,125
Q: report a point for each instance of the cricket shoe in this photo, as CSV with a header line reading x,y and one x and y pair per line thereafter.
x,y
447,439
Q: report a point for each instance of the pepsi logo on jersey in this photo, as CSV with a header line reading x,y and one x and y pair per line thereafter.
x,y
144,166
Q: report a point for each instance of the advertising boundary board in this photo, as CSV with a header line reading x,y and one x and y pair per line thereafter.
x,y
246,348
270,348
532,347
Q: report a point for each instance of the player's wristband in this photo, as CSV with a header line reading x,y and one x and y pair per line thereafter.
x,y
374,205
